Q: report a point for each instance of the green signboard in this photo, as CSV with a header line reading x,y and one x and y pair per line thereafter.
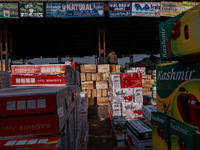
x,y
9,10
31,9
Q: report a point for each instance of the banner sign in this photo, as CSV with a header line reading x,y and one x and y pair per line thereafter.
x,y
31,9
187,5
119,9
146,9
76,9
56,10
9,10
171,9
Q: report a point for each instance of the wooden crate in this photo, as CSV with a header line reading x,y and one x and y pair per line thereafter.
x,y
98,76
88,76
89,92
88,85
102,101
94,92
94,76
83,78
98,93
88,68
92,101
101,84
113,68
147,93
104,92
103,68
117,68
146,89
147,85
146,77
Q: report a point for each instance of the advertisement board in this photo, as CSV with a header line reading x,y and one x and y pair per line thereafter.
x,y
56,10
31,9
187,5
171,9
119,9
146,9
83,9
9,10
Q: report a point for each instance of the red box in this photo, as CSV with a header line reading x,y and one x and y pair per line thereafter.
x,y
38,101
50,69
29,125
131,80
39,143
54,80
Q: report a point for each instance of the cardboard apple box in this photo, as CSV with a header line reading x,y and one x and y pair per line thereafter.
x,y
147,99
183,136
147,110
178,91
48,69
116,110
119,124
131,80
139,135
160,131
179,36
138,96
29,125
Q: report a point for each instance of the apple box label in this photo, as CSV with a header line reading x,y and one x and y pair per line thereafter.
x,y
21,142
21,105
31,104
11,105
41,103
30,142
42,141
10,143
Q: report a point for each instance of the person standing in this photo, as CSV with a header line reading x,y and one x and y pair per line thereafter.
x,y
112,57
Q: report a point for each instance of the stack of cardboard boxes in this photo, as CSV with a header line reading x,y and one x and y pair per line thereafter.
x,y
177,124
44,112
126,101
94,80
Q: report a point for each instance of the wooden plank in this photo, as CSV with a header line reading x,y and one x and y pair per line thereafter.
x,y
88,85
147,85
98,77
94,77
89,92
89,68
103,68
113,68
117,68
83,77
101,84
94,93
88,76
102,101
104,92
147,93
146,77
98,93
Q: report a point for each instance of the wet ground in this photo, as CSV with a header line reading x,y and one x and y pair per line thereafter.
x,y
100,132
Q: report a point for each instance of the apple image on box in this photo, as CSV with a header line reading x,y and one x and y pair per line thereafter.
x,y
182,145
130,140
188,107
